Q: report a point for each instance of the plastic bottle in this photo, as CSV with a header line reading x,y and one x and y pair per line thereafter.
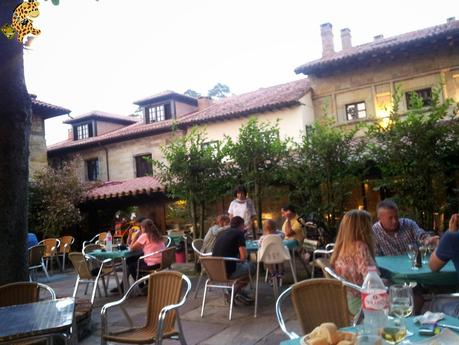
x,y
375,302
109,242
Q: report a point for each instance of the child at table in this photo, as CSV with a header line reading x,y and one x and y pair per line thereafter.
x,y
270,228
354,252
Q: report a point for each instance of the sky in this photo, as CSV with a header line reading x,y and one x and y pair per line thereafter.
x,y
106,54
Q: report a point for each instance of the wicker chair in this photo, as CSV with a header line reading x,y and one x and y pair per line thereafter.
x,y
36,254
197,245
272,252
163,301
51,248
315,301
22,293
86,274
167,259
99,238
65,248
218,278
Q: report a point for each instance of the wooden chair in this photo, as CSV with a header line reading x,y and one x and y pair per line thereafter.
x,y
167,259
218,278
22,293
51,248
197,245
271,252
88,275
163,301
36,254
65,248
315,301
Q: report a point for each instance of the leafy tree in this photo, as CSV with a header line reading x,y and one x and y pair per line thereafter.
x,y
15,114
323,168
256,157
219,90
418,154
53,198
192,93
192,170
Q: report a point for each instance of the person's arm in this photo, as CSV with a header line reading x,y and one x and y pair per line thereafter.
x,y
435,263
137,243
230,210
242,253
422,235
288,228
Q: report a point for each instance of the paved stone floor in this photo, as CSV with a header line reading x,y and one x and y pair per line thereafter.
x,y
213,329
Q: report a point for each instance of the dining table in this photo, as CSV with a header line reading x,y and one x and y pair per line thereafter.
x,y
42,320
115,255
412,327
398,270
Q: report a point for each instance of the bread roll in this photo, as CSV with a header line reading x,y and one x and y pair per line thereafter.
x,y
345,342
318,341
330,332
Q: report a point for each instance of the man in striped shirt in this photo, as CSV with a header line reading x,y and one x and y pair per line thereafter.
x,y
393,234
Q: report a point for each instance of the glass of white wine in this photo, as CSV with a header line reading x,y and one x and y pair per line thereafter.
x,y
394,330
412,251
401,301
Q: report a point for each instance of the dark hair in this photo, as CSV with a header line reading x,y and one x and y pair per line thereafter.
x,y
240,189
387,204
151,230
236,222
139,219
289,207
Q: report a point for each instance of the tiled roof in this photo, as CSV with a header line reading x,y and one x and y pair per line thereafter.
x,y
117,189
270,98
46,110
265,99
101,115
445,31
166,94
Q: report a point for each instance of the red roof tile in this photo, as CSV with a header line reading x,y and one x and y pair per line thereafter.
x,y
116,189
264,99
164,95
446,31
46,110
101,115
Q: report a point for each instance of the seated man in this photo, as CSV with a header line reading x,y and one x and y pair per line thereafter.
x,y
231,243
291,227
222,224
393,235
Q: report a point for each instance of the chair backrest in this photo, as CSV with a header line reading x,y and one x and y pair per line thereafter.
x,y
310,245
320,300
166,240
22,293
81,265
90,248
330,272
164,288
66,242
197,245
215,268
36,254
51,245
167,257
272,250
323,263
102,236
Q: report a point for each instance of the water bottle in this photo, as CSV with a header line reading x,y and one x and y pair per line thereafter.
x,y
375,302
109,242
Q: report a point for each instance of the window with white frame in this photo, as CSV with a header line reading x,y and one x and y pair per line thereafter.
x,y
82,131
156,113
356,111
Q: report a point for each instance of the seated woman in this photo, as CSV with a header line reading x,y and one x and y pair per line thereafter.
x,y
148,242
354,252
221,224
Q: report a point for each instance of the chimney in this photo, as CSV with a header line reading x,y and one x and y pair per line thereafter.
x,y
326,33
204,102
346,42
450,19
378,37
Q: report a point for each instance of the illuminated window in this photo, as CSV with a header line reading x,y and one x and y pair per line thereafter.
x,y
356,111
424,94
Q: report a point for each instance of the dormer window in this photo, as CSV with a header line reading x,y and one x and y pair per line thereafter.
x,y
156,113
83,131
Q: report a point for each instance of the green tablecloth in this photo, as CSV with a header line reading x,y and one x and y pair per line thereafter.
x,y
115,254
398,269
252,246
413,328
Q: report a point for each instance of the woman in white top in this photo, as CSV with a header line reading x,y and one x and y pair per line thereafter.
x,y
242,207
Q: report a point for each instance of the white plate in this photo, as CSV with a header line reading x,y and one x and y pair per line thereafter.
x,y
446,337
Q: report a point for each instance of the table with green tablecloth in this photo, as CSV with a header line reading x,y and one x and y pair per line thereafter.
x,y
117,255
411,326
398,270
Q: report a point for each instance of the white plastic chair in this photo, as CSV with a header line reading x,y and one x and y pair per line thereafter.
x,y
197,245
327,252
272,251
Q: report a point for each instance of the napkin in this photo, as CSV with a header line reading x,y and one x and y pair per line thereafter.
x,y
429,317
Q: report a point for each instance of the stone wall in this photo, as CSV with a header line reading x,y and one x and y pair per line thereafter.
x,y
37,146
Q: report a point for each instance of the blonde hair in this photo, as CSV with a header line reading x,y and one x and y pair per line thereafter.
x,y
354,227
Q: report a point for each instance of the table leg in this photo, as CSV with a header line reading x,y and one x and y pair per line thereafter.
x,y
292,252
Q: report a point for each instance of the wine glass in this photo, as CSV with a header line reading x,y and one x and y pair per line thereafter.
x,y
401,301
412,251
394,330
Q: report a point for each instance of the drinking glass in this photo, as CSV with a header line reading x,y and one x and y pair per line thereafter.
x,y
401,300
412,250
423,249
394,330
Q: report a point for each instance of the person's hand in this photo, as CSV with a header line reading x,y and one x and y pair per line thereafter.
x,y
433,240
454,223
